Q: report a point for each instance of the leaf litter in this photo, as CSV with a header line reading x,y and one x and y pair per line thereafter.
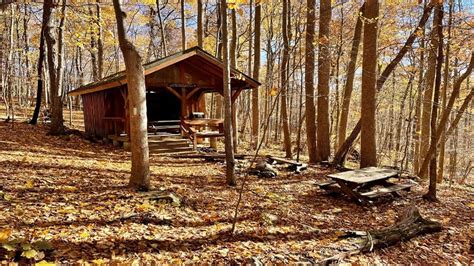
x,y
65,200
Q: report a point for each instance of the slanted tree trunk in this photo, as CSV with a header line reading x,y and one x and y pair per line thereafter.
x,y
341,153
445,116
256,73
348,87
284,81
368,146
140,172
324,69
229,150
39,88
310,110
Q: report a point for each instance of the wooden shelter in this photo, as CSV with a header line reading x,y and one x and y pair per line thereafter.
x,y
175,87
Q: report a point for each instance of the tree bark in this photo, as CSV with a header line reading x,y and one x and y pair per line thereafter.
x,y
444,90
324,69
284,81
349,85
445,116
310,110
54,55
341,153
229,150
368,146
428,89
140,172
256,73
162,29
183,26
233,59
39,88
199,23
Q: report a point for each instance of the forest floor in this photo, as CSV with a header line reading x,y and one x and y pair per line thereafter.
x,y
72,195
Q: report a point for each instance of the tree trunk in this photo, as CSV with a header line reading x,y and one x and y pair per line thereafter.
x,y
183,26
140,172
284,81
419,103
199,23
368,148
431,195
229,150
256,72
324,69
39,88
445,115
162,29
100,44
310,110
233,59
341,153
428,90
55,55
444,91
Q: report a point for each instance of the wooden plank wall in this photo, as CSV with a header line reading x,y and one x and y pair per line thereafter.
x,y
94,112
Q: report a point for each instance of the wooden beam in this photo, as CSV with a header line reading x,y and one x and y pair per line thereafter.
x,y
174,92
236,94
192,93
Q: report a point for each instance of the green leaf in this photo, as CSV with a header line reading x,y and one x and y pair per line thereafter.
x,y
9,247
43,245
29,254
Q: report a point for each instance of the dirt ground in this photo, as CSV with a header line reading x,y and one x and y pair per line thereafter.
x,y
73,194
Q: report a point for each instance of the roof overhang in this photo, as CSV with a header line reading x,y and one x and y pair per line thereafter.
x,y
118,79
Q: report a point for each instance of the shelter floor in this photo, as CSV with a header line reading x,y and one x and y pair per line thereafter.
x,y
74,194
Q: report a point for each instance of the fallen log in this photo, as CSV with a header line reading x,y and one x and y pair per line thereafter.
x,y
411,225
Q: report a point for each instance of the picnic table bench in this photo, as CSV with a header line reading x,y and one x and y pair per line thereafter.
x,y
358,184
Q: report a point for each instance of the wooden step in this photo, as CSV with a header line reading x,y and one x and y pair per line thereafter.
x,y
170,150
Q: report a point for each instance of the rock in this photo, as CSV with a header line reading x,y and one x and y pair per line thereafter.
x,y
269,218
263,169
164,197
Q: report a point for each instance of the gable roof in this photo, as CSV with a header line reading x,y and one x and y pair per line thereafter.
x,y
118,79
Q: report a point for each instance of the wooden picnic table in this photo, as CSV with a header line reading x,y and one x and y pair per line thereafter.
x,y
353,182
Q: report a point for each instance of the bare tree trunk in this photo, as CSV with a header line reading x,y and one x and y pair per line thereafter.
x,y
229,150
428,90
368,146
53,56
400,120
39,89
324,68
431,195
444,91
310,110
256,73
233,59
284,81
199,23
100,44
183,26
162,29
445,115
140,172
341,153
419,103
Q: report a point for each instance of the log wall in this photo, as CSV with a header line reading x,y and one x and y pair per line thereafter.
x,y
94,112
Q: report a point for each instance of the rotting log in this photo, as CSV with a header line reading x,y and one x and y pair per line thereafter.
x,y
410,225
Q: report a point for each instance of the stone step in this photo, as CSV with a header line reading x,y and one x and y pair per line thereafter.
x,y
170,150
